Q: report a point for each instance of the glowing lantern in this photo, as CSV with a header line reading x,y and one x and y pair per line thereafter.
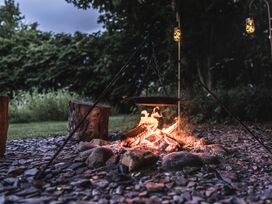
x,y
250,27
177,34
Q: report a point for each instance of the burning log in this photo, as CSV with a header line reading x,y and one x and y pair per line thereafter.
x,y
135,131
149,134
95,125
4,101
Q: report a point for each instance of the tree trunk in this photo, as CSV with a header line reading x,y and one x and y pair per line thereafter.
x,y
4,101
95,125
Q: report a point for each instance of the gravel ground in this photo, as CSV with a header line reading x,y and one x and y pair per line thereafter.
x,y
242,176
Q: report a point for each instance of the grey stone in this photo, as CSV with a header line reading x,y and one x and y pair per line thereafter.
x,y
186,196
82,183
2,199
98,157
179,160
178,199
14,171
103,183
9,181
84,155
207,158
31,172
95,192
28,191
75,166
135,159
119,190
180,180
83,146
267,194
98,142
215,149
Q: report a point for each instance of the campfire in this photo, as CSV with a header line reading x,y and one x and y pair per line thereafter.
x,y
152,133
158,136
157,130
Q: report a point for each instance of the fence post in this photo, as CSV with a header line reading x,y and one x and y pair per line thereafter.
x,y
4,104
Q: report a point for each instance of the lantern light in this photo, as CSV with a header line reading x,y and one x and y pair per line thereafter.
x,y
177,34
250,26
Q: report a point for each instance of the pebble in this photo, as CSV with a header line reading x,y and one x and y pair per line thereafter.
x,y
143,194
119,190
75,166
191,184
95,192
178,199
81,183
68,180
31,172
180,180
154,187
101,183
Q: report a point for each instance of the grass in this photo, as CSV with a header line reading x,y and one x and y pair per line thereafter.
x,y
122,123
36,129
35,106
43,129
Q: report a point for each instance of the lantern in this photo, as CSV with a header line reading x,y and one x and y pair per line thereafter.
x,y
250,27
177,34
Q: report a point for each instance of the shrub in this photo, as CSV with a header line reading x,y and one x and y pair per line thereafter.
x,y
247,103
30,106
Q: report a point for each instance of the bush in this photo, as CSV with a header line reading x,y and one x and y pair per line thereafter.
x,y
31,106
247,103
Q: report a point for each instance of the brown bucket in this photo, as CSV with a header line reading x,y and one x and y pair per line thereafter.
x,y
4,103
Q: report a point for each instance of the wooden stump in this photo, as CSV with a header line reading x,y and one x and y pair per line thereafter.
x,y
95,125
4,101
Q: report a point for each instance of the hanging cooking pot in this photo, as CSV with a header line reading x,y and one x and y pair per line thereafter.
x,y
153,100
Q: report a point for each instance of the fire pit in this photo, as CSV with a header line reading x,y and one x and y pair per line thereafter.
x,y
155,137
157,130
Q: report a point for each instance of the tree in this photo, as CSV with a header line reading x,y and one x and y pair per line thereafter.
x,y
129,23
10,18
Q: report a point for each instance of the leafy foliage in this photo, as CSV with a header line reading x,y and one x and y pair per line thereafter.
x,y
10,18
215,50
247,103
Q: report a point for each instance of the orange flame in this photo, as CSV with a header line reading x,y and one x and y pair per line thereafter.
x,y
153,137
149,135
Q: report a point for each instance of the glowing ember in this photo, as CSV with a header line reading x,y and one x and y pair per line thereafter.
x,y
153,137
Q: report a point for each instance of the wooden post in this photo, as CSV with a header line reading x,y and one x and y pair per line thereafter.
x,y
4,101
96,124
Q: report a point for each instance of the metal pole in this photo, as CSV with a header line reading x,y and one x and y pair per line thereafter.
x,y
269,25
179,72
269,22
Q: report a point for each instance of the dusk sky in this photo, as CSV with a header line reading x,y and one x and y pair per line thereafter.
x,y
58,16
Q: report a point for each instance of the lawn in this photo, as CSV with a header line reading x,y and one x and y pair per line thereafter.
x,y
43,129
